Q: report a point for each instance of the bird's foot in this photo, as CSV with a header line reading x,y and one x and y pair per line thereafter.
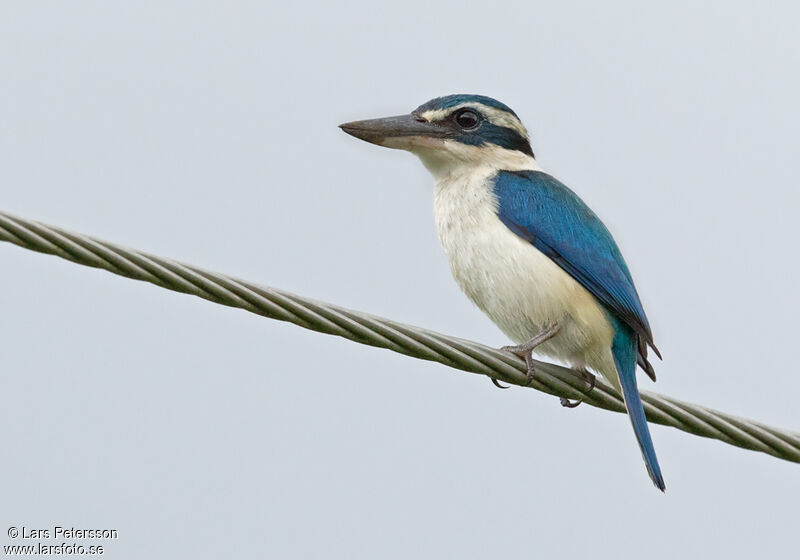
x,y
565,402
525,351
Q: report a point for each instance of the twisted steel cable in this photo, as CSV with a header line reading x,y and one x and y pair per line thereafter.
x,y
376,331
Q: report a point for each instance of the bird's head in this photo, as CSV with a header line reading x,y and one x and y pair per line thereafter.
x,y
452,132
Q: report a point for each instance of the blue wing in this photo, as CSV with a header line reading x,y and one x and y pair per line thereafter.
x,y
543,211
546,213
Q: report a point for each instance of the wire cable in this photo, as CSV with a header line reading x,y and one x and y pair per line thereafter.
x,y
376,331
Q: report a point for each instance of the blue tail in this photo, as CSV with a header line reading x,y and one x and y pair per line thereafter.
x,y
624,349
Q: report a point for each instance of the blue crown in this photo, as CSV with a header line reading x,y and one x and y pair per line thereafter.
x,y
454,100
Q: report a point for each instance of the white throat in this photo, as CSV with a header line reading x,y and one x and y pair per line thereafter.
x,y
457,159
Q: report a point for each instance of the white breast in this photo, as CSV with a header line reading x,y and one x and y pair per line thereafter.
x,y
517,286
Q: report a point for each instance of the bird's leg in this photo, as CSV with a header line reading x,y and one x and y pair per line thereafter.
x,y
572,404
526,350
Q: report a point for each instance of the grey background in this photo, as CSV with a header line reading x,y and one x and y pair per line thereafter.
x,y
208,133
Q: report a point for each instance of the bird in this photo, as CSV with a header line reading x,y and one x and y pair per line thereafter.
x,y
525,248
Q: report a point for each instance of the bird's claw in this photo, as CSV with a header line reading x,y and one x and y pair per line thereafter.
x,y
565,402
497,383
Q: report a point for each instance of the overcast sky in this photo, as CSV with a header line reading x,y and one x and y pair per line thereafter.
x,y
209,134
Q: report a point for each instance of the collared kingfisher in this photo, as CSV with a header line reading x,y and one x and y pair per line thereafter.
x,y
524,247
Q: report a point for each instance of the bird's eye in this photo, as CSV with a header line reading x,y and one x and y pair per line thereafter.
x,y
467,119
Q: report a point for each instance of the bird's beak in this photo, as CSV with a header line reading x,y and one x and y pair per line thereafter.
x,y
404,132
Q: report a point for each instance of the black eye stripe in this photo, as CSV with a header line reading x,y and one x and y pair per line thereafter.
x,y
482,131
